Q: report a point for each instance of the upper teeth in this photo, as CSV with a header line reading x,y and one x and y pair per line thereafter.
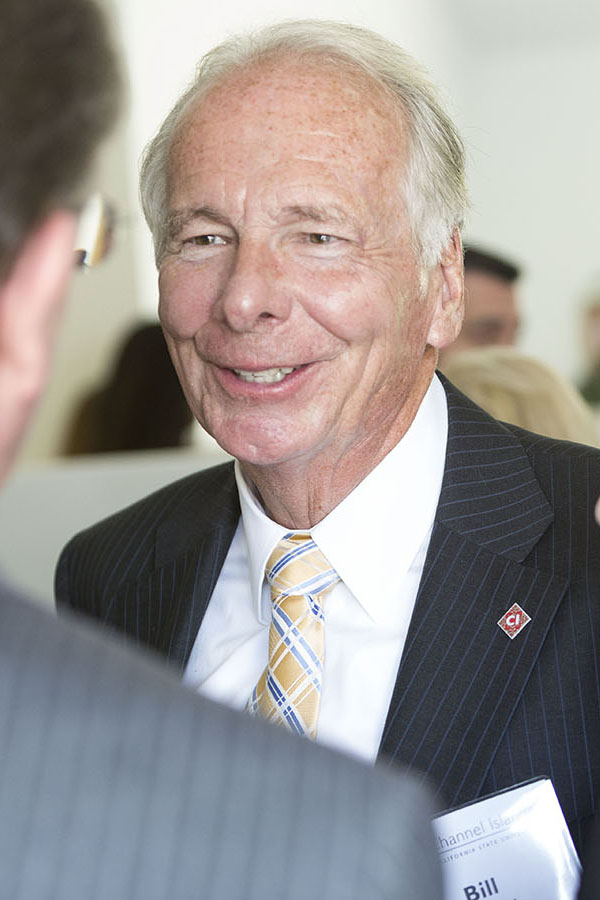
x,y
268,375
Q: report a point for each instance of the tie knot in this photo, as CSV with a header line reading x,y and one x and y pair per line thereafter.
x,y
297,566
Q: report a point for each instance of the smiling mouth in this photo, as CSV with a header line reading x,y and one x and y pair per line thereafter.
x,y
266,376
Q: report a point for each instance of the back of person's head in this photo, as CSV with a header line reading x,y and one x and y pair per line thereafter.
x,y
58,97
434,192
519,389
58,80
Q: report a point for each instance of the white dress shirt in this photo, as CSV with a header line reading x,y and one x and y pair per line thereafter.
x,y
376,539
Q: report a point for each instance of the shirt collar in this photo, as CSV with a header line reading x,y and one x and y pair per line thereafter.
x,y
261,533
385,519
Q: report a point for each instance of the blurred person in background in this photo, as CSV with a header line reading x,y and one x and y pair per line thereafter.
x,y
116,782
140,405
590,384
520,389
491,303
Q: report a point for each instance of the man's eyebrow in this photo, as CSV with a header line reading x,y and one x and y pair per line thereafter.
x,y
181,217
318,214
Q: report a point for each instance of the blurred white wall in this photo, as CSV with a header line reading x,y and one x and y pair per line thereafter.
x,y
534,137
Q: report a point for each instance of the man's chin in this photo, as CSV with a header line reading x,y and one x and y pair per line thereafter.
x,y
261,455
261,449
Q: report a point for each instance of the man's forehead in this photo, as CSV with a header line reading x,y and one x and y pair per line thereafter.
x,y
297,141
278,91
296,129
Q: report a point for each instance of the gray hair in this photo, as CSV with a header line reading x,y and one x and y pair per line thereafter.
x,y
434,192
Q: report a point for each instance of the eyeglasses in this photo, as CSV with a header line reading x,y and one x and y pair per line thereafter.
x,y
95,232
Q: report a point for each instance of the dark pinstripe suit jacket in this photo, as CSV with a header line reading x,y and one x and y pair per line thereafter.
x,y
116,783
473,709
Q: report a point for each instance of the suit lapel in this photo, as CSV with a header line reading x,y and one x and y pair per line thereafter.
x,y
190,547
461,676
194,544
192,578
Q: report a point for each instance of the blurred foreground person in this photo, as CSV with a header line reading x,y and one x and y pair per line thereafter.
x,y
115,782
522,390
351,574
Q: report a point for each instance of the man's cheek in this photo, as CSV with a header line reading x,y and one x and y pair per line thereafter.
x,y
179,315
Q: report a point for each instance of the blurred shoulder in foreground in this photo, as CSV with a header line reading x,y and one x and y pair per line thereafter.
x,y
116,782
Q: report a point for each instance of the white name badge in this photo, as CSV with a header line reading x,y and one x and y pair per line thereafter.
x,y
513,845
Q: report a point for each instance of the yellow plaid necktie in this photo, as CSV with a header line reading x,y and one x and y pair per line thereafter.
x,y
289,689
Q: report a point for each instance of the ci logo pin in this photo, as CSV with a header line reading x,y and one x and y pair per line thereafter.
x,y
514,621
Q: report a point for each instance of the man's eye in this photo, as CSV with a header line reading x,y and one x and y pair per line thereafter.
x,y
204,240
316,238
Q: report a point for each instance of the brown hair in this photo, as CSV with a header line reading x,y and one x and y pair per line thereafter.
x,y
58,97
140,404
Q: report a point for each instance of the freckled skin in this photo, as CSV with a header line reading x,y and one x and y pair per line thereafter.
x,y
272,160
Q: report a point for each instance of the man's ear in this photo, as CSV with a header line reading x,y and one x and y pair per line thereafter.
x,y
32,294
448,314
43,266
31,297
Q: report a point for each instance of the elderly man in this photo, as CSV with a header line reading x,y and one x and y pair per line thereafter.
x,y
385,567
115,781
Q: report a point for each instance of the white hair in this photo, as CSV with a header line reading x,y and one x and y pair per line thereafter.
x,y
434,191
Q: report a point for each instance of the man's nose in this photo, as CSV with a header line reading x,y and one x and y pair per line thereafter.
x,y
254,294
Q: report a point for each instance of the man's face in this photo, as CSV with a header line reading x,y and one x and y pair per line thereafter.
x,y
291,299
491,314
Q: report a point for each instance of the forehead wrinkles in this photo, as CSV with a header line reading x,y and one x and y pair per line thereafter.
x,y
302,101
285,134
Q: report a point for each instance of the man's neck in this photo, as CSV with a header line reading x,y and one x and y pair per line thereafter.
x,y
299,493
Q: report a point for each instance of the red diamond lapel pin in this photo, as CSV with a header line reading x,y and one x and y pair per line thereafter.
x,y
514,620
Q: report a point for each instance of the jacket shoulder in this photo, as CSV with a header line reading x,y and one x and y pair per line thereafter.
x,y
206,489
538,445
565,470
109,552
